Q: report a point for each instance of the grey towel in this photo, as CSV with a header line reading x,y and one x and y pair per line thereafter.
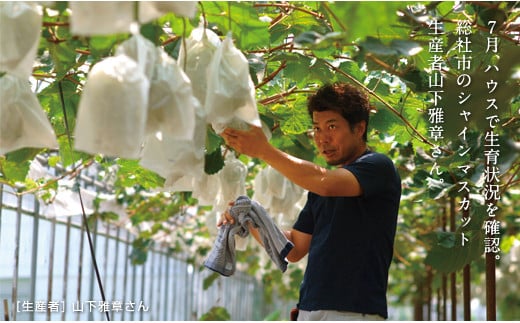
x,y
222,256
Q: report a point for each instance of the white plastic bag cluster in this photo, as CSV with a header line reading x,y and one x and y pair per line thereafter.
x,y
223,187
224,86
139,103
232,179
219,190
277,194
176,127
23,123
90,18
139,91
204,58
179,161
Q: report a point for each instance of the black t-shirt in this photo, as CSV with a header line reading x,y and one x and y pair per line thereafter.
x,y
352,241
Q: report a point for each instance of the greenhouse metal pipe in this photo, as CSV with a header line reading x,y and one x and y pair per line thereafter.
x,y
166,289
34,253
66,265
143,287
125,275
16,258
92,273
116,264
105,261
80,268
51,265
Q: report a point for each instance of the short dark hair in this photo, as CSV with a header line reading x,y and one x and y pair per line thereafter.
x,y
344,98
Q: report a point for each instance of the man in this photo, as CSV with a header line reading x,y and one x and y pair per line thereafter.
x,y
348,223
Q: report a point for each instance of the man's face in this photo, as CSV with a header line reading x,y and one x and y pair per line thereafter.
x,y
336,141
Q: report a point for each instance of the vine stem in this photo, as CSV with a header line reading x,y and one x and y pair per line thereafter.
x,y
55,23
401,258
511,181
271,76
229,15
71,174
289,6
326,6
184,43
276,97
170,40
273,49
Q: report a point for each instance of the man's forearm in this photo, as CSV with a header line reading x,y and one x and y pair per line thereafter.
x,y
254,143
314,178
254,232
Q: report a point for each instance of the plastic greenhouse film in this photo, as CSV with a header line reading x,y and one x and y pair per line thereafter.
x,y
112,109
20,25
23,122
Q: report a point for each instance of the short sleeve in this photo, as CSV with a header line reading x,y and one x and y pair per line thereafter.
x,y
374,172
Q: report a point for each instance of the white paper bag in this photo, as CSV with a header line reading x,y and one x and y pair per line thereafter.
x,y
206,189
231,93
232,181
23,123
275,192
20,28
141,50
112,109
150,10
195,57
90,18
180,162
171,106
